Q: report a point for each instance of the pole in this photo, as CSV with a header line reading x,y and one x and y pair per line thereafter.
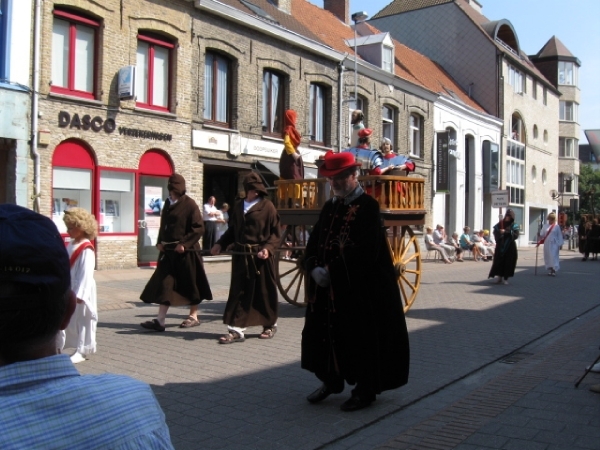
x,y
355,68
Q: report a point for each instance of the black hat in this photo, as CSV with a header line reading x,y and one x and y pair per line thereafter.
x,y
32,251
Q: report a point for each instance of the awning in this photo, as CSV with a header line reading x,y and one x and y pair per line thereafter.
x,y
273,167
225,163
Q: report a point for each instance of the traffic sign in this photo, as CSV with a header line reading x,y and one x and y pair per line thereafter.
x,y
500,199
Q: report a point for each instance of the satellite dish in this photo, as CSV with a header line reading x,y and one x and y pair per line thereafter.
x,y
554,194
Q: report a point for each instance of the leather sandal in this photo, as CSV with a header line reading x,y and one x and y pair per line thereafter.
x,y
268,333
231,337
153,324
189,323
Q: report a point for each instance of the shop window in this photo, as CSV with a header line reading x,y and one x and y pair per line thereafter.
x,y
117,202
217,90
74,40
153,76
414,135
316,114
273,103
388,116
72,180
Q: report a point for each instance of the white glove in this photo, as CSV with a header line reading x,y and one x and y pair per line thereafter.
x,y
321,276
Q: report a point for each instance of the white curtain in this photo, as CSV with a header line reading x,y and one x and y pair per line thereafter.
x,y
319,114
222,68
60,53
141,79
208,86
274,103
160,90
84,59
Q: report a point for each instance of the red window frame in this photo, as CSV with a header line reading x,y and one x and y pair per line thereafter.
x,y
73,20
162,43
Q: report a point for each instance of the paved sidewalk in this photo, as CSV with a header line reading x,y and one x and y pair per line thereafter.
x,y
460,394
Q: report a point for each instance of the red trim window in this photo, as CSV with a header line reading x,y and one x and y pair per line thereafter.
x,y
153,78
74,42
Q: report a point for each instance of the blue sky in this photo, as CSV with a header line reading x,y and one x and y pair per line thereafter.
x,y
576,23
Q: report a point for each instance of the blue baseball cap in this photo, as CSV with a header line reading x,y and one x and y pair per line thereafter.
x,y
32,251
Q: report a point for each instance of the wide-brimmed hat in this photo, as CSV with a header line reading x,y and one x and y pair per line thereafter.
x,y
253,182
336,163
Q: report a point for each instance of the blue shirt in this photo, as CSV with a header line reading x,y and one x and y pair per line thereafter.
x,y
47,404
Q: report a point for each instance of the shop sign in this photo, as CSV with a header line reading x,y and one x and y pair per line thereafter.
x,y
210,140
85,122
145,134
265,149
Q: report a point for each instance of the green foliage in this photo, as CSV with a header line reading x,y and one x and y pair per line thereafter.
x,y
589,190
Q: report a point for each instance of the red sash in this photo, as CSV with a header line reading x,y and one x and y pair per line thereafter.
x,y
547,234
80,249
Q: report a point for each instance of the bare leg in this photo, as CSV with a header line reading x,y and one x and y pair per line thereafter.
x,y
194,311
162,314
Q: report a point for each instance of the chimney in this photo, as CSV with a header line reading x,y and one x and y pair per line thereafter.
x,y
339,8
284,5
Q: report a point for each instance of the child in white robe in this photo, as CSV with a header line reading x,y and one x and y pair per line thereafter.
x,y
81,332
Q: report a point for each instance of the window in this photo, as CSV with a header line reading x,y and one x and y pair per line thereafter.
x,y
567,148
316,114
568,182
516,79
533,174
361,104
387,121
4,38
545,96
535,132
117,202
534,89
414,133
388,59
567,73
273,102
515,172
153,74
74,54
217,88
568,111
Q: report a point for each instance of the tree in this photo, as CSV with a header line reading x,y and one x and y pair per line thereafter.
x,y
589,187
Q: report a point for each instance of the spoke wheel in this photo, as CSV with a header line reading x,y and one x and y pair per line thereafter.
x,y
290,275
406,254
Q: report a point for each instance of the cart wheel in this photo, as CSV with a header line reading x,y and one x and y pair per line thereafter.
x,y
289,274
406,254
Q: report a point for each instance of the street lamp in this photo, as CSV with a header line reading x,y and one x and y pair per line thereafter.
x,y
357,18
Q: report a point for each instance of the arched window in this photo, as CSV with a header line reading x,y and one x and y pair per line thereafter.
x,y
74,42
217,88
153,75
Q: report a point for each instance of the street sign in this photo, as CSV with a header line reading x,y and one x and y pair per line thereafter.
x,y
500,199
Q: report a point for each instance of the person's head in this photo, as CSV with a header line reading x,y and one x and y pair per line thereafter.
x,y
364,136
455,235
341,169
80,223
254,186
212,200
289,118
225,207
357,116
176,185
439,227
551,217
386,146
467,230
509,217
429,230
35,296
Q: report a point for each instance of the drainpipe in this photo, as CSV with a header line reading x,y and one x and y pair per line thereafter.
x,y
34,106
340,102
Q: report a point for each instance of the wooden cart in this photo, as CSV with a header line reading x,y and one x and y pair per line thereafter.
x,y
401,200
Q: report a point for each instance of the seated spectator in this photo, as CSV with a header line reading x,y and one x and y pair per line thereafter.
x,y
440,238
430,245
467,244
488,238
459,251
46,402
485,250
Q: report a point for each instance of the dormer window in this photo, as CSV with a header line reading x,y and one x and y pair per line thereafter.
x,y
388,59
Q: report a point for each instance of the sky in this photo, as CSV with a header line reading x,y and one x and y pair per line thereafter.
x,y
576,23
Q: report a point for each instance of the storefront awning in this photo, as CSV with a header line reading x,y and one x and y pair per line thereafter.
x,y
225,163
273,167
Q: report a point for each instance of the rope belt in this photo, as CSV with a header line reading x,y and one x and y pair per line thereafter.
x,y
250,250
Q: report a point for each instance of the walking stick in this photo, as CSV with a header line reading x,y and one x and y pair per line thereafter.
x,y
587,371
537,247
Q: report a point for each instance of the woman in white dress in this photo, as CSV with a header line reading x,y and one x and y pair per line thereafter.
x,y
552,238
81,332
222,221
